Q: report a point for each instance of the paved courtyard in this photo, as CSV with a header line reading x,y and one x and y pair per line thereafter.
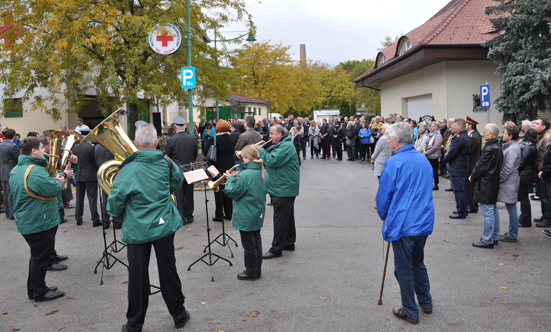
x,y
330,283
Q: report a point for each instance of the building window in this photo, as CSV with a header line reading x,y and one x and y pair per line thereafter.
x,y
254,111
13,108
405,46
260,111
381,59
249,110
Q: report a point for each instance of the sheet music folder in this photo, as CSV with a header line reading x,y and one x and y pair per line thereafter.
x,y
196,175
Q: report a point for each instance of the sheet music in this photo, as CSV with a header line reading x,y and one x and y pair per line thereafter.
x,y
196,176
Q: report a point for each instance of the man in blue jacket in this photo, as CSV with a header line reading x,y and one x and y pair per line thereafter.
x,y
405,205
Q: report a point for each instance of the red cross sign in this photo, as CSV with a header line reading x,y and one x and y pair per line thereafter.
x,y
165,39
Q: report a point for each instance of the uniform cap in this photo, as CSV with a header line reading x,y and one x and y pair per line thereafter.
x,y
469,120
179,121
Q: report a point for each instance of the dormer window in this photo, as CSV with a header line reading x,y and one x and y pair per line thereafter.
x,y
405,46
381,59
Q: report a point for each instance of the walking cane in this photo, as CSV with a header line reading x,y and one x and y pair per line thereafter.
x,y
384,274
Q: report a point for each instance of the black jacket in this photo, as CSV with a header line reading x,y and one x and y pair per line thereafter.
x,y
225,152
102,155
9,156
475,149
87,169
235,136
486,173
182,148
337,141
527,167
546,167
459,154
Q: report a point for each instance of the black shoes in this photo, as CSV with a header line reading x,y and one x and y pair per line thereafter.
x,y
435,187
57,267
51,295
227,218
449,190
218,219
456,216
484,245
244,276
182,324
270,255
63,220
97,224
79,222
61,258
290,247
50,289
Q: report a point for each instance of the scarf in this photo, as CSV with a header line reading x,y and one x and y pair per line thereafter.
x,y
524,143
432,136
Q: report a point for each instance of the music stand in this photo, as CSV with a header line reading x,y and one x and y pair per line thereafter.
x,y
108,260
194,175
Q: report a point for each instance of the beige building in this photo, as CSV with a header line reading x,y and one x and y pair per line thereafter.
x,y
437,69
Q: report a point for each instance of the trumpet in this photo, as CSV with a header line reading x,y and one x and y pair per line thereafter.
x,y
215,184
259,144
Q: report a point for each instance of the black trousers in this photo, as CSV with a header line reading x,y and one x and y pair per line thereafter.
x,y
337,148
105,217
471,202
53,253
285,233
91,190
364,150
443,166
224,204
525,218
313,150
357,147
8,199
434,164
252,244
184,197
139,286
41,244
325,148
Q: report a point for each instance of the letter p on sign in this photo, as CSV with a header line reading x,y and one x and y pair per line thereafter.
x,y
188,77
485,96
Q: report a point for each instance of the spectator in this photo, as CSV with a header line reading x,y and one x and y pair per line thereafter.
x,y
474,135
485,179
541,125
338,135
415,131
350,140
365,141
314,134
325,135
382,152
17,141
296,138
510,179
527,170
422,137
433,150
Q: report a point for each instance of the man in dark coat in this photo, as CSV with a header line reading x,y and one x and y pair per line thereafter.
x,y
458,157
486,178
235,133
250,136
474,135
182,149
87,181
9,154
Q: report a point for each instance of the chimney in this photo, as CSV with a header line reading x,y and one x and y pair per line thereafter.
x,y
303,53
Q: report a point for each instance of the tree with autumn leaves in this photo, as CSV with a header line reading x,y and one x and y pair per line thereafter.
x,y
73,48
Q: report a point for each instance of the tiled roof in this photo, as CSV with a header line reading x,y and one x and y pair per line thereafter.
x,y
460,22
243,98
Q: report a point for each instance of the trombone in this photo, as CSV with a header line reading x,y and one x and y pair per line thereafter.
x,y
259,144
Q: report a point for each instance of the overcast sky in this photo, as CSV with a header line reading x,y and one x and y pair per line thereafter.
x,y
336,31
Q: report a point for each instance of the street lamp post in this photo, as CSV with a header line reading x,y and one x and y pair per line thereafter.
x,y
250,39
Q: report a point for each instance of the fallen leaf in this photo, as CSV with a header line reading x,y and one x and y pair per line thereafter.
x,y
64,231
124,282
70,298
218,331
195,234
61,328
515,255
14,329
501,264
323,297
537,272
179,248
36,305
507,254
443,304
255,313
504,287
518,270
189,229
469,229
2,300
446,240
52,312
203,302
5,312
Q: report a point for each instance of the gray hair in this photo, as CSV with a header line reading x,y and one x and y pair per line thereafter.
x,y
527,122
280,129
146,136
390,120
493,128
250,121
451,119
402,130
423,127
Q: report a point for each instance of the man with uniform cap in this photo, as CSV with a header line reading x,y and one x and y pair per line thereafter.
x,y
182,149
474,135
458,157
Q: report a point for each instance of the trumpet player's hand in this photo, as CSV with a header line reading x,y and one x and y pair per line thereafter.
x,y
227,174
60,178
73,159
70,173
257,146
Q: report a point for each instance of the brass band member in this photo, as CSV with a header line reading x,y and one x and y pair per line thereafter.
x,y
140,198
36,212
248,189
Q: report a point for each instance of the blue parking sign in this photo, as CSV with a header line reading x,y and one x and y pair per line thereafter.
x,y
485,96
188,77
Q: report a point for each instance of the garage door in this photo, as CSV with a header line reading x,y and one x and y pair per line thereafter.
x,y
419,106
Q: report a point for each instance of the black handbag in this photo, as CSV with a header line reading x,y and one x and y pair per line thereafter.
x,y
211,155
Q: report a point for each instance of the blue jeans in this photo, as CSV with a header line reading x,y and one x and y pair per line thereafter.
x,y
411,273
513,220
491,222
303,148
545,199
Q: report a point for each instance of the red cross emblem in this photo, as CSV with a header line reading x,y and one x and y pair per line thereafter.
x,y
164,39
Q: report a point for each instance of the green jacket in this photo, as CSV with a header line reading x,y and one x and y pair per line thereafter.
x,y
248,191
140,198
33,215
282,165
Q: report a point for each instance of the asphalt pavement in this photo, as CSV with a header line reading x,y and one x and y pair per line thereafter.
x,y
331,282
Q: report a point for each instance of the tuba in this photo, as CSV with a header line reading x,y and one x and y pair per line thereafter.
x,y
70,141
56,138
110,135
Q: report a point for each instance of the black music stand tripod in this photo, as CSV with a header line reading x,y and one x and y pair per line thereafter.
x,y
108,260
209,254
224,242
